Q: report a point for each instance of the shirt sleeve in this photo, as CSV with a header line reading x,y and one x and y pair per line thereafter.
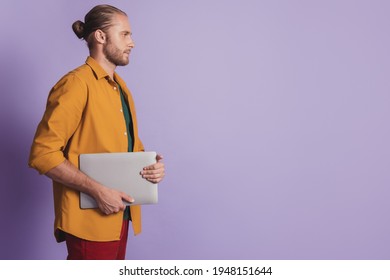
x,y
64,110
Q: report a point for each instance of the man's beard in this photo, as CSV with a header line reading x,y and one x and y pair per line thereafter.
x,y
114,55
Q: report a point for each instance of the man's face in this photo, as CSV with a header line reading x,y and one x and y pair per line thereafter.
x,y
119,42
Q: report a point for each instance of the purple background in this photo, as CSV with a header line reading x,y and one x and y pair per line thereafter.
x,y
272,116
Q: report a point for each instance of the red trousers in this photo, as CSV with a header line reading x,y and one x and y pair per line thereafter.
x,y
80,249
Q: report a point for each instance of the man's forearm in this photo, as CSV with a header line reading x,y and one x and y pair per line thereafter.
x,y
109,200
66,173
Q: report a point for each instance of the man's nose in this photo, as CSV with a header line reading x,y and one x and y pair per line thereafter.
x,y
131,43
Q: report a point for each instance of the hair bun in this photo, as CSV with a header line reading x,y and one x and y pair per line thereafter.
x,y
79,28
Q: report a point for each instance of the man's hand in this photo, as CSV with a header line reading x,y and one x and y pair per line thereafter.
x,y
154,173
111,201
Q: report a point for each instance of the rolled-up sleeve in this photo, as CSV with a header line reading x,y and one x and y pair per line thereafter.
x,y
64,110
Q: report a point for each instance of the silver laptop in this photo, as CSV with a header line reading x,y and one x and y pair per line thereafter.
x,y
120,171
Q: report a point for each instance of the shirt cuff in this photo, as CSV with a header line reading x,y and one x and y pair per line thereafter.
x,y
47,162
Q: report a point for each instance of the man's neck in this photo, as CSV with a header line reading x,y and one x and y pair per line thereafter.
x,y
104,63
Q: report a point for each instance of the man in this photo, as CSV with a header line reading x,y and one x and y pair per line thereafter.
x,y
90,110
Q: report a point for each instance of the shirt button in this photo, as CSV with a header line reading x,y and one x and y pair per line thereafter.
x,y
114,88
121,110
125,133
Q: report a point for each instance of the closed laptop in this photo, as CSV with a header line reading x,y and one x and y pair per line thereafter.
x,y
120,171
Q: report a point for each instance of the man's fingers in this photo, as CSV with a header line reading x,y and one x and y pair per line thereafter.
x,y
158,165
155,175
152,171
113,203
155,172
154,178
127,198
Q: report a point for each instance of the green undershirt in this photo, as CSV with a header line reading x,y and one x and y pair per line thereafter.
x,y
129,126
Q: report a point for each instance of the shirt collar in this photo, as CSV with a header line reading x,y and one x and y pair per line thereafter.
x,y
96,68
100,73
118,79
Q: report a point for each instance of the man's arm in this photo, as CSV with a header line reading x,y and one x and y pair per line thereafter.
x,y
109,200
64,109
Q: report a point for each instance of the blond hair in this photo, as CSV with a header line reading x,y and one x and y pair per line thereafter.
x,y
99,17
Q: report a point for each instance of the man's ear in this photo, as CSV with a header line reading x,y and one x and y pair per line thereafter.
x,y
100,36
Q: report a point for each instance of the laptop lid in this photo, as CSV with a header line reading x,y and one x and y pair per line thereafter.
x,y
120,171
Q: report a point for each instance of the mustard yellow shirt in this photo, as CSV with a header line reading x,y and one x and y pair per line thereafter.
x,y
84,115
